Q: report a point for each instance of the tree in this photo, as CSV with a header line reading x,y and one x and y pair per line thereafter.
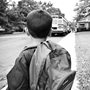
x,y
3,16
54,10
25,6
12,14
45,5
81,8
3,5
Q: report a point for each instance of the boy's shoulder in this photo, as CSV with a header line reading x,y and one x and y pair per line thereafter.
x,y
29,48
27,52
56,46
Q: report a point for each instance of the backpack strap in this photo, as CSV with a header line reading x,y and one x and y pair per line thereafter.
x,y
37,62
49,45
26,47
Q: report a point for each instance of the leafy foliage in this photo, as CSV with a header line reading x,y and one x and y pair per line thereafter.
x,y
13,15
82,8
3,17
53,10
3,5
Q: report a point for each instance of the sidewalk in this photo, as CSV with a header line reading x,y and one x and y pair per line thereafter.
x,y
68,43
15,34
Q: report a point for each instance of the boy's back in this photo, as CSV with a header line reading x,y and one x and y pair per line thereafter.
x,y
59,59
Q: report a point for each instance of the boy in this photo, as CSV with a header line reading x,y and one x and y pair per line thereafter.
x,y
39,25
33,69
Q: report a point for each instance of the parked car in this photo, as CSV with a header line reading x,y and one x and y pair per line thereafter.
x,y
6,30
59,26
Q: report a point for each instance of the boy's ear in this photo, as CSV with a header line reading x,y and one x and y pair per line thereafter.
x,y
28,33
26,30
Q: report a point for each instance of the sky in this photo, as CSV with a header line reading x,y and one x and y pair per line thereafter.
x,y
66,7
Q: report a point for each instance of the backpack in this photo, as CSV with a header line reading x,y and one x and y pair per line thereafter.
x,y
50,68
18,76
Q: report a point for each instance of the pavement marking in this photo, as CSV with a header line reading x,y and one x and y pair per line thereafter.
x,y
68,43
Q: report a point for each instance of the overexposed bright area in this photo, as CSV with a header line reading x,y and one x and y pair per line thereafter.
x,y
66,6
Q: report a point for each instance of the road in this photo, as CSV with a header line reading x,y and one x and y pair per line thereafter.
x,y
12,45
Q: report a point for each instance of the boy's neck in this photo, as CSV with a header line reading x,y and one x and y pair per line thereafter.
x,y
36,41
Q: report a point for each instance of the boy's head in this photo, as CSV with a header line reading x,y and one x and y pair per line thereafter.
x,y
39,23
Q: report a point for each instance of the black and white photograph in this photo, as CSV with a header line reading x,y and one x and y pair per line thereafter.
x,y
44,44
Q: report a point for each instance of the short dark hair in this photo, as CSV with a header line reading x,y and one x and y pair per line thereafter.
x,y
39,23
